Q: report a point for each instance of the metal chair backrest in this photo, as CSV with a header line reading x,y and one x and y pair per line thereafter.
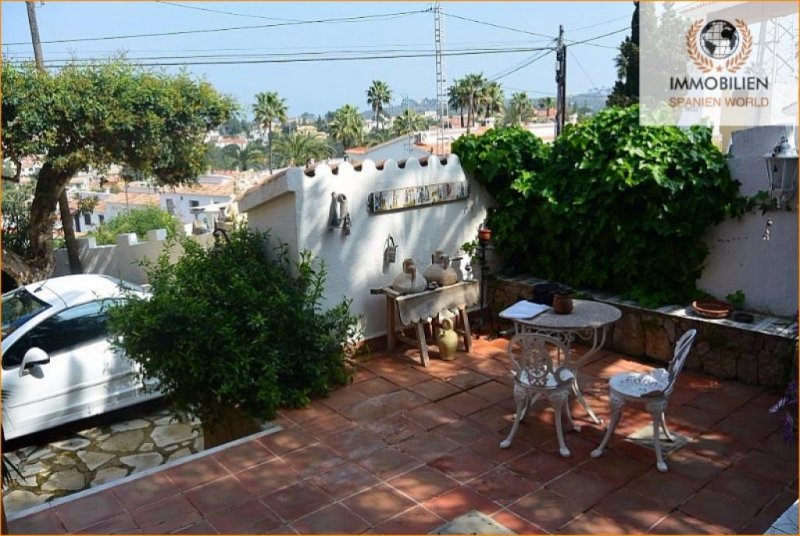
x,y
682,348
538,358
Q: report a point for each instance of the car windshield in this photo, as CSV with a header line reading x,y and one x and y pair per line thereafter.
x,y
18,307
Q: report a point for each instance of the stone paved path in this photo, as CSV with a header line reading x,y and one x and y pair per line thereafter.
x,y
98,455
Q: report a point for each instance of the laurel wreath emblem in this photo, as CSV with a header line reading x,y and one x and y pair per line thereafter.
x,y
706,64
700,61
736,62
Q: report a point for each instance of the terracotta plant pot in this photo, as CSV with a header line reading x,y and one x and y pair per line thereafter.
x,y
562,303
712,308
484,236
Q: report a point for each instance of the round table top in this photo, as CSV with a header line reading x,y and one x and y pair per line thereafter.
x,y
585,315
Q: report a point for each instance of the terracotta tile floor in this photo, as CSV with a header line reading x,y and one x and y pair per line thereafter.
x,y
405,449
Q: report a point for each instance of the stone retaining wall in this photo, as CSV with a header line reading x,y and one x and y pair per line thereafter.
x,y
760,353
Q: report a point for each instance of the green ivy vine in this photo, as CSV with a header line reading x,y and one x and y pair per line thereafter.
x,y
609,205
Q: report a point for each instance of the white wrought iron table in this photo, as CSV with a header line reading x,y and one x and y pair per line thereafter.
x,y
589,321
416,309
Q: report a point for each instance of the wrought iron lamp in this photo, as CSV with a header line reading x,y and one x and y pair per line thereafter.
x,y
484,239
782,172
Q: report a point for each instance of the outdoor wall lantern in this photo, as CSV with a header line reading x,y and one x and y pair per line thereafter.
x,y
782,172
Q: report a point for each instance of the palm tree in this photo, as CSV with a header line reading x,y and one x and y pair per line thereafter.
x,y
301,147
379,136
347,127
408,122
243,158
545,103
458,96
475,85
520,109
269,107
378,94
492,99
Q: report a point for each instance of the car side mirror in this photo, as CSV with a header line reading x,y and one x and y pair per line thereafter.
x,y
33,357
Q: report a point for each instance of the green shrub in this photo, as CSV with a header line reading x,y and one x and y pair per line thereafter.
x,y
139,221
231,326
611,205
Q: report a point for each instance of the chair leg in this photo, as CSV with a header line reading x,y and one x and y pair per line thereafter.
x,y
559,399
568,410
530,404
616,404
656,411
670,438
584,403
522,399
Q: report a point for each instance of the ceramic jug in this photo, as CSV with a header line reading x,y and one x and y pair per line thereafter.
x,y
409,282
440,271
447,340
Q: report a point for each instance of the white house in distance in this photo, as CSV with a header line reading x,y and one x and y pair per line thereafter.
x,y
399,148
205,201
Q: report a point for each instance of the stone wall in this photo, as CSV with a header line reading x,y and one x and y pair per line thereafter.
x,y
760,353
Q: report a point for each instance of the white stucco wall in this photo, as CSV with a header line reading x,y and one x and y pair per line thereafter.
x,y
123,259
355,262
739,257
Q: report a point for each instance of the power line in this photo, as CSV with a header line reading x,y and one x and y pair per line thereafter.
x,y
359,18
598,23
305,60
534,60
498,26
588,41
516,65
302,54
249,16
589,78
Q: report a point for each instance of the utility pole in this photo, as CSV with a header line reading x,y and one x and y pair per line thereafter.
x,y
442,103
67,224
561,80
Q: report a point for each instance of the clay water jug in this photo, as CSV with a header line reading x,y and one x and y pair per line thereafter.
x,y
447,340
440,271
409,282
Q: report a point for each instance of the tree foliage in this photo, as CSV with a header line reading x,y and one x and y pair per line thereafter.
x,y
231,325
268,109
101,114
626,89
519,110
611,205
16,217
378,95
139,221
297,149
408,122
347,127
477,95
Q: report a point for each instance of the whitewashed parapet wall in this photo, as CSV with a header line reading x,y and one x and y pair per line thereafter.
x,y
739,257
295,208
123,259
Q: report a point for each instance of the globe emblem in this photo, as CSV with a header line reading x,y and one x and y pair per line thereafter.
x,y
719,39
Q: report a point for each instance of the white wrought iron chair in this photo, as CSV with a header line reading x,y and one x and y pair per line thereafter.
x,y
539,370
652,390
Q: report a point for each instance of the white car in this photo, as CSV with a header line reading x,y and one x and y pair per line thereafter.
x,y
59,365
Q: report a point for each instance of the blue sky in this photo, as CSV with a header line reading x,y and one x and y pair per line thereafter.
x,y
320,86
